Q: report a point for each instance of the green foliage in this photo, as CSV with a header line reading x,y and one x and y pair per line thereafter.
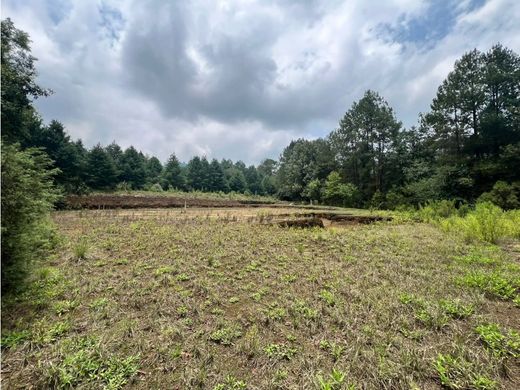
x,y
493,284
231,383
280,351
83,363
458,373
12,339
504,195
499,343
225,335
28,195
334,381
486,222
338,193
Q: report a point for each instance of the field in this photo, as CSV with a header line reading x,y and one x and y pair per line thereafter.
x,y
233,299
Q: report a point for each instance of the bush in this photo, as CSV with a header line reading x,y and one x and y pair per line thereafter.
x,y
28,195
434,211
504,195
338,193
156,188
486,223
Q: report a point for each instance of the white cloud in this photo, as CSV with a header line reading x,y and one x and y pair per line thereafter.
x,y
239,79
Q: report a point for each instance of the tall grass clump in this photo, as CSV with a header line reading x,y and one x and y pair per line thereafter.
x,y
486,222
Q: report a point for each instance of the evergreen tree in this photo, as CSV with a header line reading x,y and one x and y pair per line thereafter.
x,y
172,175
101,170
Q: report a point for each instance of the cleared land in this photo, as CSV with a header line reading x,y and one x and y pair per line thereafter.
x,y
229,299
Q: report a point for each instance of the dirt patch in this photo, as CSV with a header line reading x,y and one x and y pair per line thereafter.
x,y
302,223
135,202
325,219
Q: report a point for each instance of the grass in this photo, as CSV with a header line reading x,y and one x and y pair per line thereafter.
x,y
229,303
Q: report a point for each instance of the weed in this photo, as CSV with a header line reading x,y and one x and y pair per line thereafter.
x,y
81,249
455,309
493,284
333,348
225,335
328,296
183,277
459,373
182,311
83,363
14,338
280,351
164,270
234,300
334,381
98,303
301,308
63,307
231,383
499,343
275,313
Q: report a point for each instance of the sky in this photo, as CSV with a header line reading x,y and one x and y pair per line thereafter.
x,y
241,79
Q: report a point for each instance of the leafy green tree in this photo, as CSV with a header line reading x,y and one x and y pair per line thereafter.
x,y
28,194
338,193
101,170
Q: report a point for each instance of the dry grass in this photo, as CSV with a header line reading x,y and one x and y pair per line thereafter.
x,y
216,300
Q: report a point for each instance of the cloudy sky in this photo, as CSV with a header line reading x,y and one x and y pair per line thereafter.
x,y
240,79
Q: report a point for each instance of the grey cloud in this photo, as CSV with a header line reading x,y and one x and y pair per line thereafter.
x,y
229,79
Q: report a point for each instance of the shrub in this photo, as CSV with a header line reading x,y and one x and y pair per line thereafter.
x,y
486,222
156,188
504,195
28,194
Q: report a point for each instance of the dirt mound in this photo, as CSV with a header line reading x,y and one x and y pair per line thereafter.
x,y
302,223
102,201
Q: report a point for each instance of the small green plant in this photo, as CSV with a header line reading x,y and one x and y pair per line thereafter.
x,y
231,383
334,381
458,373
63,307
499,343
328,296
275,313
280,351
182,311
301,308
234,300
225,335
81,249
456,309
493,284
83,363
164,270
98,303
12,339
333,348
183,277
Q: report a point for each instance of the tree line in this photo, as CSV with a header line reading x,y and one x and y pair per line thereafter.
x,y
467,143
